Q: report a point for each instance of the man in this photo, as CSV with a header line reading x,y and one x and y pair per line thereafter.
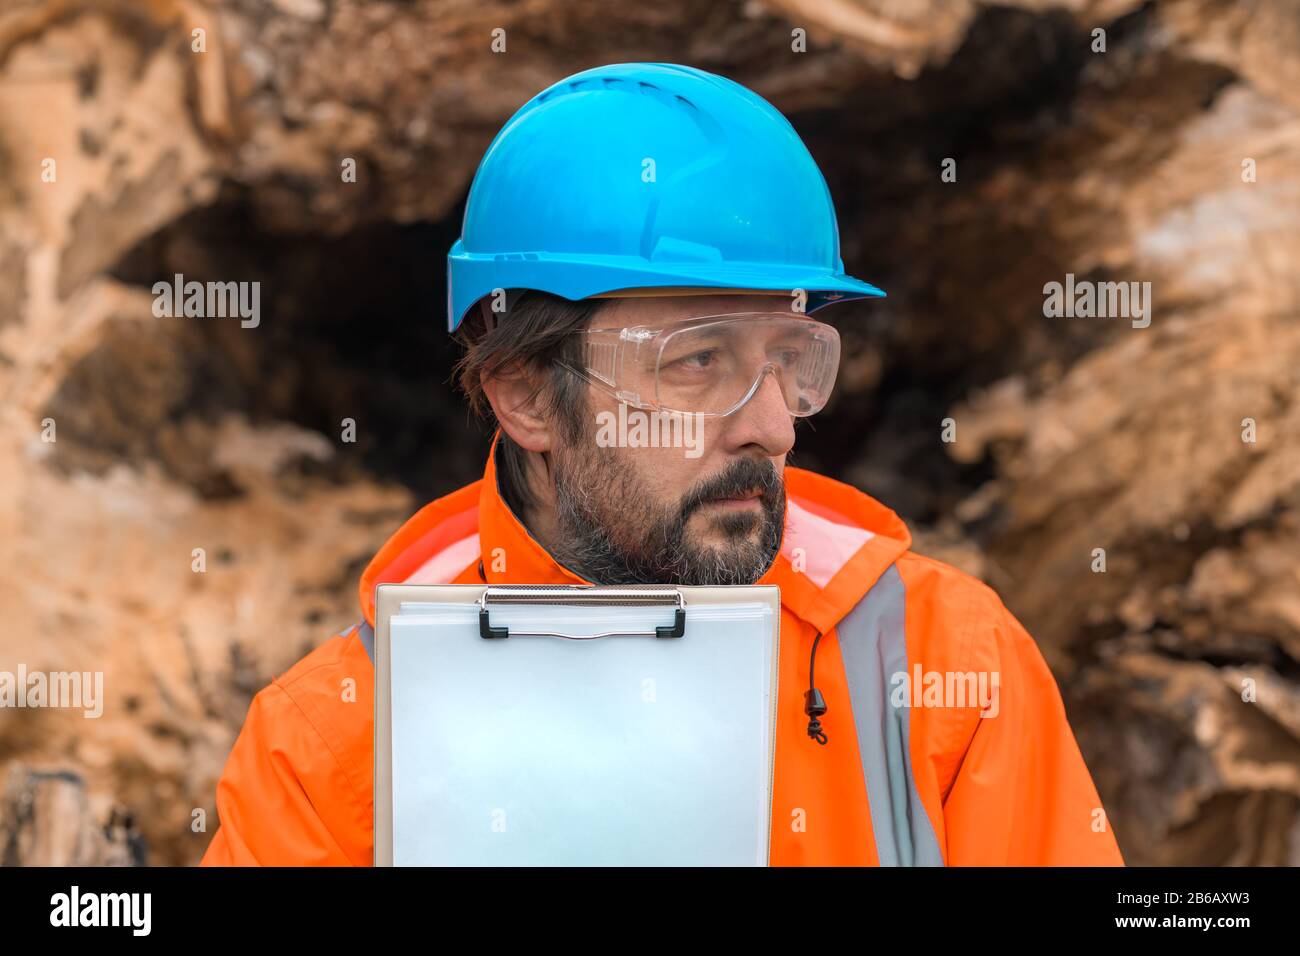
x,y
650,241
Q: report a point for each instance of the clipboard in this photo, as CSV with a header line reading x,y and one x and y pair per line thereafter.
x,y
521,725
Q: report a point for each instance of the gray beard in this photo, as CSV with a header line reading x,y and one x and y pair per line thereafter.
x,y
608,535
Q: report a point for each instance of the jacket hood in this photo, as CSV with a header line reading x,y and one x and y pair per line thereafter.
x,y
837,542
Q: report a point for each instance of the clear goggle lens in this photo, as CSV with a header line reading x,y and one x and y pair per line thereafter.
x,y
713,366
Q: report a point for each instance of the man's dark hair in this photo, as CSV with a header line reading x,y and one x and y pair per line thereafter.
x,y
534,332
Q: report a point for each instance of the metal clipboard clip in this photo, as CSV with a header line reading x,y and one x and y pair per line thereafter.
x,y
648,596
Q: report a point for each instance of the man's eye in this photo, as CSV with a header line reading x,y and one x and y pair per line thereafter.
x,y
697,361
788,358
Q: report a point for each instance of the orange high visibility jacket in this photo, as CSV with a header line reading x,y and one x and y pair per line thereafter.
x,y
924,765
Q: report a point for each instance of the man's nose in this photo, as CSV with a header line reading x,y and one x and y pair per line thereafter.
x,y
764,420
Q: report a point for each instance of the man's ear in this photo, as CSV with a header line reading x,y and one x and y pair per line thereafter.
x,y
513,395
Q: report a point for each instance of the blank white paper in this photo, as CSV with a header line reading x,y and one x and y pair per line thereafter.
x,y
612,751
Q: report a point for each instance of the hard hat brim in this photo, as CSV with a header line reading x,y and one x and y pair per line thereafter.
x,y
581,277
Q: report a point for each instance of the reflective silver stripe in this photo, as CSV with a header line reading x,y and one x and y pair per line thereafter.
x,y
874,648
367,635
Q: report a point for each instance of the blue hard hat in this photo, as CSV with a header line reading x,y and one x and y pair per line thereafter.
x,y
648,176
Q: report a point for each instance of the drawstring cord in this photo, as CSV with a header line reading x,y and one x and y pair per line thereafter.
x,y
814,704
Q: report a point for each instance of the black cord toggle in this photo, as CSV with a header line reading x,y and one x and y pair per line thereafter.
x,y
814,705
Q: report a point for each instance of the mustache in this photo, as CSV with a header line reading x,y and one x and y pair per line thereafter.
x,y
742,476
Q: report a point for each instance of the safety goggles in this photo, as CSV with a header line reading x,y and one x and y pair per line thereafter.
x,y
713,365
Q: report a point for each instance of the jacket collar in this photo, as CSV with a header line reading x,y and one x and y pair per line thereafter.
x,y
836,543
